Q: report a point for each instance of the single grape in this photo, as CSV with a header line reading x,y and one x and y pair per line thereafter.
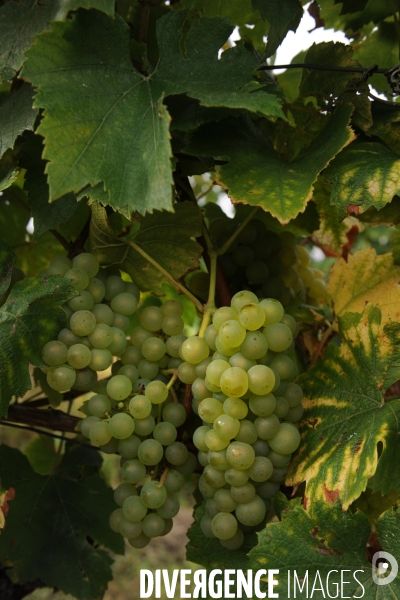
x,y
187,373
114,286
130,530
215,369
172,307
194,350
103,314
151,318
214,442
174,481
209,409
61,379
124,304
224,501
119,387
261,447
153,349
235,408
267,427
261,469
153,525
214,477
82,322
279,460
205,525
278,336
79,356
87,262
252,513
115,520
210,335
59,269
165,433
148,369
247,432
139,407
240,455
200,390
133,471
282,407
273,310
68,338
211,507
172,325
286,440
100,359
262,406
283,365
84,301
254,346
231,333
223,314
128,447
145,426
54,353
278,475
234,542
153,494
252,317
294,415
203,458
96,289
98,405
131,356
120,321
243,493
101,336
218,459
225,427
121,426
293,394
234,382
173,344
199,438
156,392
78,278
87,423
235,477
206,490
85,380
267,490
139,542
123,491
242,298
130,371
261,380
174,413
224,526
99,434
139,335
176,453
219,356
133,509
150,452
238,360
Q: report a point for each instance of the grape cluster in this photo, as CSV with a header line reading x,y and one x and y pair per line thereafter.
x,y
243,390
267,263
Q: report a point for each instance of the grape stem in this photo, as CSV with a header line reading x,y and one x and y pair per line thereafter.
x,y
172,380
164,476
175,283
209,307
321,346
237,231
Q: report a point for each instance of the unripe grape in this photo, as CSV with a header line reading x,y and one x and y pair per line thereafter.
x,y
224,526
124,304
261,469
254,345
223,314
231,333
153,494
176,453
235,408
85,380
128,447
210,335
209,409
150,452
261,380
240,300
278,336
139,542
151,318
282,407
218,459
133,509
153,349
99,434
131,356
156,392
214,442
262,405
224,501
174,413
82,322
103,314
119,387
61,379
286,440
251,513
87,262
115,520
225,427
194,350
172,325
240,455
145,426
234,382
238,360
165,433
174,343
293,394
234,542
273,310
68,338
54,353
78,278
101,359
87,423
251,317
84,301
294,414
101,336
121,426
120,321
123,491
174,481
247,432
130,530
236,477
267,427
153,525
172,307
98,405
118,342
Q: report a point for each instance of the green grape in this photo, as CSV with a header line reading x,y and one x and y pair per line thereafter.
x,y
224,501
206,490
85,341
113,286
205,525
194,350
87,423
153,493
282,407
235,477
124,304
214,442
203,458
235,408
201,368
111,447
168,525
278,475
257,272
99,434
98,405
173,363
120,321
240,455
130,371
199,438
187,373
261,380
247,432
267,427
223,314
215,369
68,311
54,269
156,392
128,447
148,369
151,318
174,413
115,520
123,491
267,358
211,507
153,525
131,356
174,481
132,289
293,394
267,490
85,380
279,460
294,415
224,526
139,407
277,381
225,427
278,336
100,359
252,513
87,262
96,289
286,440
68,338
150,452
153,349
84,301
234,542
210,334
291,323
283,365
218,460
261,469
139,335
238,360
281,389
224,351
165,433
261,447
231,334
100,387
82,322
200,390
79,356
119,387
61,260
252,317
54,353
130,530
163,362
61,379
145,426
172,325
139,542
214,477
243,256
209,409
262,406
121,426
133,471
78,278
273,311
101,336
189,466
133,509
240,300
234,382
174,343
254,346
218,356
176,453
103,314
243,493
172,307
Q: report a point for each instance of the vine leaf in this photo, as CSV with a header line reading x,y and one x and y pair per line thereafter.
x,y
7,258
125,142
366,279
346,417
322,541
282,17
255,173
165,237
363,175
16,115
7,176
31,317
59,550
21,21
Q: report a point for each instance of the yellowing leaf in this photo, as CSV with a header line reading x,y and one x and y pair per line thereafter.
x,y
366,279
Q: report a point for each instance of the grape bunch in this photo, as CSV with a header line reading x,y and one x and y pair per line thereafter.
x,y
243,390
267,263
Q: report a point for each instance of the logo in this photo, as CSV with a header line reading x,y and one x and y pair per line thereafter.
x,y
384,568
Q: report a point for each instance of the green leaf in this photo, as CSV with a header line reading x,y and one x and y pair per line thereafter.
x,y
187,114
282,17
45,216
379,46
325,541
31,317
7,259
14,218
42,454
56,522
7,176
363,175
129,129
256,175
16,115
21,21
165,237
351,6
346,418
366,279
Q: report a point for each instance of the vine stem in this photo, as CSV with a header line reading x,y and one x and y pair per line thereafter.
x,y
209,307
321,346
174,282
234,235
164,476
172,380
